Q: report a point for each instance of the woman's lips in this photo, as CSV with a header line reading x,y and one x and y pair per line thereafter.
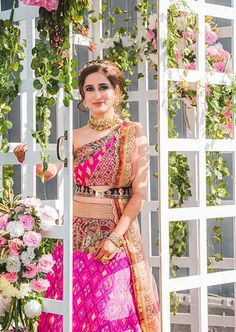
x,y
98,103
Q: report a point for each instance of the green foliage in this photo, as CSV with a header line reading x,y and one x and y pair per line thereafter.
x,y
11,55
52,65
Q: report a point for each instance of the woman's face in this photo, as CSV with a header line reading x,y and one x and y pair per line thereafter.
x,y
99,95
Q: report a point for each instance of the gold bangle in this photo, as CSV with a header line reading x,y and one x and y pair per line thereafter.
x,y
117,239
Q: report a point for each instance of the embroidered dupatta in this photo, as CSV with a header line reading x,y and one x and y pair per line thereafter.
x,y
146,297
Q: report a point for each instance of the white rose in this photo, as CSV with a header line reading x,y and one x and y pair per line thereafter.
x,y
31,202
181,22
24,290
27,256
48,214
32,309
15,228
127,41
153,58
13,264
152,21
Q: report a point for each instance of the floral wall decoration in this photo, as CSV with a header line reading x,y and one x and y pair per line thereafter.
x,y
181,46
25,261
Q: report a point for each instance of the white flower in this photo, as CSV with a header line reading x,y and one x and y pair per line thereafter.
x,y
229,66
153,58
24,290
48,214
31,202
15,228
32,309
27,256
152,21
181,22
127,41
13,264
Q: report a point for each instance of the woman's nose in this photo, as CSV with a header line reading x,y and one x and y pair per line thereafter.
x,y
97,94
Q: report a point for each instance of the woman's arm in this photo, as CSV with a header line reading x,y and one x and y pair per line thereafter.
x,y
51,172
139,183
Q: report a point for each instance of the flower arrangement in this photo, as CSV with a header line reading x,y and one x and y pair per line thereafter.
x,y
151,36
25,260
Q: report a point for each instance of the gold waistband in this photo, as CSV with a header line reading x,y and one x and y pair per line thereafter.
x,y
92,210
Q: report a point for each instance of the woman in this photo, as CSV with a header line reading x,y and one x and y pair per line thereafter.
x,y
113,289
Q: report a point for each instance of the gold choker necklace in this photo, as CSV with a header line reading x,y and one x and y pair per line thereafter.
x,y
103,124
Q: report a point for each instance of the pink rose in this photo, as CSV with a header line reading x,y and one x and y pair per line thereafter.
x,y
46,263
228,114
32,239
3,241
3,221
229,125
219,66
47,4
150,35
40,285
15,247
211,37
28,221
191,66
11,276
211,50
31,271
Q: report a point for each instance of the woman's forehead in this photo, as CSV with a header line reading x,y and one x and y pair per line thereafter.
x,y
96,79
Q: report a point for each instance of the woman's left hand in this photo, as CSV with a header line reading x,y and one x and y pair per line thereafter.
x,y
106,251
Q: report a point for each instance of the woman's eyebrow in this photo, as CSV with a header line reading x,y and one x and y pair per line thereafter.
x,y
90,85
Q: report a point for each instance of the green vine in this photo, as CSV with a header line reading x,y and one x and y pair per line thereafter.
x,y
125,51
52,65
11,55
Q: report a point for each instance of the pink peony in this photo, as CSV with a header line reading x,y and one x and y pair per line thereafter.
x,y
46,263
228,114
49,5
31,271
211,37
3,241
32,239
191,66
11,276
177,55
40,285
15,247
3,221
31,202
229,125
28,221
219,66
150,35
211,50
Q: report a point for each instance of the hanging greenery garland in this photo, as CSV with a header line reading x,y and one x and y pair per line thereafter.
x,y
11,55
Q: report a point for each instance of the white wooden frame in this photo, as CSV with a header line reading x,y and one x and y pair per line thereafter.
x,y
198,283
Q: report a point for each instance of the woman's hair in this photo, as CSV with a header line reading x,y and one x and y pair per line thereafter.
x,y
107,67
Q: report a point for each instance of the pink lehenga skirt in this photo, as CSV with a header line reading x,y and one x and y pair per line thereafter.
x,y
103,294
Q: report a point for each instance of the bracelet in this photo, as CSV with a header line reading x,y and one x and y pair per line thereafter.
x,y
117,239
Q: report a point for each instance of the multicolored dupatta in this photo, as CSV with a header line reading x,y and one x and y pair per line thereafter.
x,y
146,296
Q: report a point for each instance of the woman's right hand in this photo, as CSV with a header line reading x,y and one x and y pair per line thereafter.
x,y
50,173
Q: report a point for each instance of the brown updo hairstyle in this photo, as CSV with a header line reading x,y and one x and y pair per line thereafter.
x,y
107,67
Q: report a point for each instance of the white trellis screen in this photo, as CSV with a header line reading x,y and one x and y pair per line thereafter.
x,y
25,177
195,282
202,312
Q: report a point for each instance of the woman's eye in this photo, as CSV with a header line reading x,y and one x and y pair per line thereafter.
x,y
104,87
89,89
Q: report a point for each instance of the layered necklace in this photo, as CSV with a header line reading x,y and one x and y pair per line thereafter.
x,y
103,124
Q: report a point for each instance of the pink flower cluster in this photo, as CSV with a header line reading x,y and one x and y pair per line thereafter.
x,y
49,5
22,246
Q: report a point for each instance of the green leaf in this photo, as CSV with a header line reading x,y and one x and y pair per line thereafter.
x,y
37,84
